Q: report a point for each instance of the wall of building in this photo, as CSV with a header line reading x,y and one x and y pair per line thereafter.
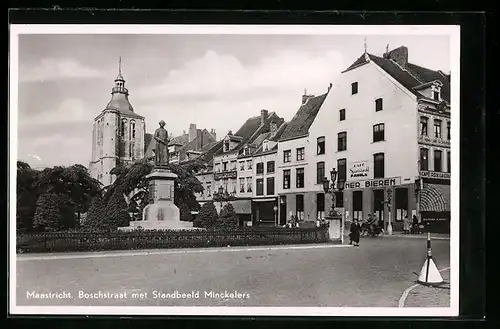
x,y
265,159
247,172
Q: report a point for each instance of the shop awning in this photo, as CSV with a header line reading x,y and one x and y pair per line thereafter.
x,y
435,197
265,200
242,206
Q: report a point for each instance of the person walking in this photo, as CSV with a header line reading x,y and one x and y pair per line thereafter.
x,y
354,233
406,225
415,225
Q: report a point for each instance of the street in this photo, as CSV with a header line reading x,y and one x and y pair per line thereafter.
x,y
373,275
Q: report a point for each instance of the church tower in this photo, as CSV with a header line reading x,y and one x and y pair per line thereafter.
x,y
118,134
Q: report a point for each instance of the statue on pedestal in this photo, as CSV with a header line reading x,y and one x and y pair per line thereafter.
x,y
161,150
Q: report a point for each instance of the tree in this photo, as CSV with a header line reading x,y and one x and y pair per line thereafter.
x,y
116,214
95,220
227,217
26,196
185,213
207,217
48,216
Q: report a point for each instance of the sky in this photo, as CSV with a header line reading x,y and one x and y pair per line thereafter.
x,y
214,81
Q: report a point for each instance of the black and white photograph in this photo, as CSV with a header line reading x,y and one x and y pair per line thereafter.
x,y
234,170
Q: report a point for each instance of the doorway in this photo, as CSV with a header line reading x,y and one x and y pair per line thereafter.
x,y
282,210
378,203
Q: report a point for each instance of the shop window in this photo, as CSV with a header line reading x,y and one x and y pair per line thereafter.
x,y
401,203
320,205
357,205
299,206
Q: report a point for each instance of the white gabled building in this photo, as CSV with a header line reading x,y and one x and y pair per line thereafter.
x,y
382,128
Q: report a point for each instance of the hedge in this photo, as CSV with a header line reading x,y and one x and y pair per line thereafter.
x,y
156,239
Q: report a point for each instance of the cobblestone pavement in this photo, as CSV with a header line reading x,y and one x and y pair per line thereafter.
x,y
372,275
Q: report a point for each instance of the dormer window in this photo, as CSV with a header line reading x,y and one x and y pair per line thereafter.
x,y
226,146
246,150
436,91
265,146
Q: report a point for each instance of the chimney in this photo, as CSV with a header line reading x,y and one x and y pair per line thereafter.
x,y
398,55
230,132
212,131
273,127
192,132
263,116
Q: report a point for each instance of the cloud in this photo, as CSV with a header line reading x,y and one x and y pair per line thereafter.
x,y
218,75
69,110
54,69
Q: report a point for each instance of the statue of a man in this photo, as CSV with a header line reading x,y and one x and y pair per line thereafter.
x,y
161,151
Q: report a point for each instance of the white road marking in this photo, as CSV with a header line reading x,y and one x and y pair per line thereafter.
x,y
166,252
405,294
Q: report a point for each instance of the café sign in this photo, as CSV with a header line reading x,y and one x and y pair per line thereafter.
x,y
434,174
377,182
225,175
434,141
359,170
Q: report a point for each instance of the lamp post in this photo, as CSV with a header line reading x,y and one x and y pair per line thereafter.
x,y
388,202
331,189
417,197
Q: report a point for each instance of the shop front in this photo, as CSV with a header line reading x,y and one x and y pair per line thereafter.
x,y
264,212
435,206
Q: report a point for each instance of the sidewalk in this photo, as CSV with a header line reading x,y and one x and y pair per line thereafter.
x,y
424,296
434,236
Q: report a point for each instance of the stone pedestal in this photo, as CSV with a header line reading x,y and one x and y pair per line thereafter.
x,y
161,213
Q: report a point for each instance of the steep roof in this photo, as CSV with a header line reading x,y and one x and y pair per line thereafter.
x,y
248,128
273,138
179,140
411,76
303,119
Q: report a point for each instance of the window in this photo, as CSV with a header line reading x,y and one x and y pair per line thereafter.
x,y
378,105
217,167
342,141
378,165
131,150
132,128
357,205
270,185
260,186
320,205
260,168
234,183
249,164
270,167
287,155
209,190
124,123
320,172
448,124
242,185
424,159
249,184
342,114
226,146
435,95
448,158
339,199
242,165
224,166
225,184
233,165
300,177
378,132
437,128
342,170
437,161
401,203
354,88
300,154
299,206
246,150
321,145
423,126
286,179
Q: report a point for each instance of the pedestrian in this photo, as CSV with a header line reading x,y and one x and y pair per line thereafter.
x,y
406,225
415,224
354,233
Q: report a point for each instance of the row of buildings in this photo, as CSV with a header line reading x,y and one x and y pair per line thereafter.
x,y
384,126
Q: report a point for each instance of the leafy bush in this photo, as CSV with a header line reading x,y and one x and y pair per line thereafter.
x,y
227,216
95,219
207,217
116,211
185,213
47,217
